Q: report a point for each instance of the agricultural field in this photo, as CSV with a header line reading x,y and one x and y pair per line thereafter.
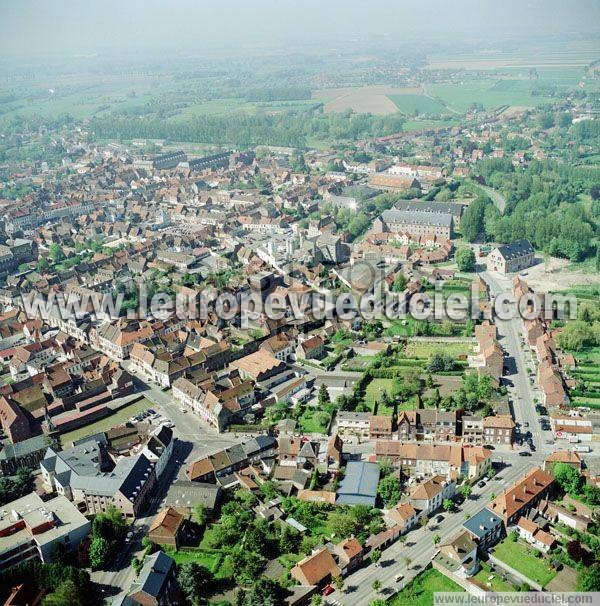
x,y
419,104
373,99
489,92
419,592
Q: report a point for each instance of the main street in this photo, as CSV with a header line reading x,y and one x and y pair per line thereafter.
x,y
419,545
520,363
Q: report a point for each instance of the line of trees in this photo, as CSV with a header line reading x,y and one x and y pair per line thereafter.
x,y
291,128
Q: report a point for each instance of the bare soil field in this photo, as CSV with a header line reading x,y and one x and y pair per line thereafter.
x,y
556,275
373,99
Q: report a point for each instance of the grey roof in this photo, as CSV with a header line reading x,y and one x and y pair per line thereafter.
x,y
183,493
482,522
154,575
430,206
359,486
258,444
417,217
24,448
516,249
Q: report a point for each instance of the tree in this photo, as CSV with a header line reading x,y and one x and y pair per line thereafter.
x,y
66,594
200,515
323,397
100,551
436,539
465,490
465,259
440,362
389,490
399,283
56,253
15,487
136,564
316,599
375,556
264,592
567,477
448,505
194,581
338,582
407,562
269,489
589,578
577,552
472,221
376,585
61,554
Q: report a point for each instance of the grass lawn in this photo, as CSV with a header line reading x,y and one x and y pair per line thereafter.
x,y
419,592
310,421
209,560
374,391
497,584
521,557
108,422
420,349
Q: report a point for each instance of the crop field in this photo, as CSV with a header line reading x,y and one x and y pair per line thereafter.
x,y
491,93
422,104
547,56
373,99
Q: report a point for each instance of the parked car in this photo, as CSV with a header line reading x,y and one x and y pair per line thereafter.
x,y
524,453
481,484
327,590
399,577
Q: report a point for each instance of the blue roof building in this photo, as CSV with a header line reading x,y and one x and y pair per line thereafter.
x,y
485,527
359,486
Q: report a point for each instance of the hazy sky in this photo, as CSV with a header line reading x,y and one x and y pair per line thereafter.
x,y
82,26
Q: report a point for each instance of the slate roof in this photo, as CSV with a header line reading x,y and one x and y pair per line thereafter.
x,y
359,486
417,217
516,249
482,522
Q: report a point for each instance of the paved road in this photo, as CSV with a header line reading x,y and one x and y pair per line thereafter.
x,y
419,545
202,438
193,439
497,198
522,386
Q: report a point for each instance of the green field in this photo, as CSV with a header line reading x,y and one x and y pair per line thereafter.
x,y
375,390
420,349
419,592
107,423
459,97
416,124
521,557
409,104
